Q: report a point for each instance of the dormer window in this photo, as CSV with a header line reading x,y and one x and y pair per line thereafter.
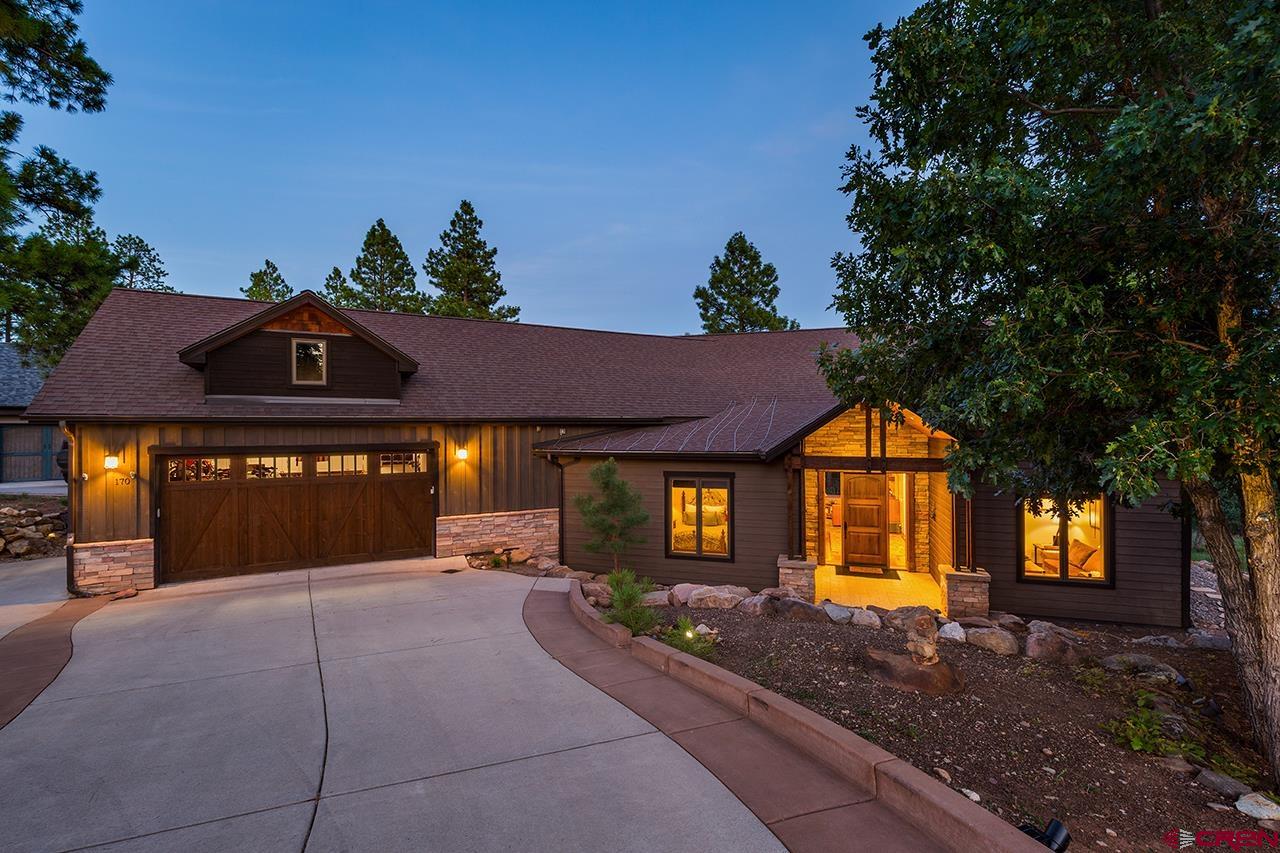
x,y
310,361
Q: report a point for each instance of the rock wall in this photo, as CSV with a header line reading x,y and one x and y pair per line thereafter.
x,y
535,530
102,567
30,533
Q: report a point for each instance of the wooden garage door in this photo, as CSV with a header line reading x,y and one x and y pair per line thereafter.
x,y
236,514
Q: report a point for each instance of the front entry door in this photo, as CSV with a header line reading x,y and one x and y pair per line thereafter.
x,y
866,536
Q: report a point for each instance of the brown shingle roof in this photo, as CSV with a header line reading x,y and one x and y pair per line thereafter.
x,y
124,366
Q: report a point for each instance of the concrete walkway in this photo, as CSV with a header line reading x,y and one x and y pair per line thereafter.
x,y
30,589
208,716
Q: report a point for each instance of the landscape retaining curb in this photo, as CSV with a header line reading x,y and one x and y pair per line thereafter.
x,y
944,814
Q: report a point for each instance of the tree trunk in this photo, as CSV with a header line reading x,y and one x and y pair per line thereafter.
x,y
1251,600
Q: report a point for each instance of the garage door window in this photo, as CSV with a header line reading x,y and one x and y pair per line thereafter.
x,y
191,469
272,467
342,465
402,463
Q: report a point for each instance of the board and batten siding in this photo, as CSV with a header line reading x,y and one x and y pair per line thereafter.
x,y
1150,565
500,473
759,523
261,363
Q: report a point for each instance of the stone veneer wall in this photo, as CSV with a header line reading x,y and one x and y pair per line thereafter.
x,y
103,567
797,575
964,593
846,435
537,530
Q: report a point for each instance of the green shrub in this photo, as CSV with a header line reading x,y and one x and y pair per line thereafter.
x,y
1143,731
626,607
495,561
683,637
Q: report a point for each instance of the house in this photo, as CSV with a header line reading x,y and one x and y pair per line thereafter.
x,y
26,452
218,436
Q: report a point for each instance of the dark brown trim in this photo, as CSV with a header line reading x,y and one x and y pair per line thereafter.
x,y
195,354
294,448
699,476
870,464
1108,552
1185,512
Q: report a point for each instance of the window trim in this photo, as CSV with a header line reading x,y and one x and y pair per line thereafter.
x,y
699,476
324,361
1108,528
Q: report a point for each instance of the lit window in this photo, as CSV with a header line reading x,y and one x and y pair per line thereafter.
x,y
342,465
700,515
272,467
183,470
309,362
402,463
1057,548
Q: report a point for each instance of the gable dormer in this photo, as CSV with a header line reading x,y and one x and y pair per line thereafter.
x,y
303,349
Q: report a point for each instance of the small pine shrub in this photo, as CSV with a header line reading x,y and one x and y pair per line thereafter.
x,y
626,607
683,637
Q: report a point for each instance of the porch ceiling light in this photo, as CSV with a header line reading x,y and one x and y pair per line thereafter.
x,y
112,462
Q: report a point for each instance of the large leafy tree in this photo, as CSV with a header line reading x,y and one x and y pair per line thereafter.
x,y
43,62
741,292
141,267
267,284
463,270
383,278
1070,260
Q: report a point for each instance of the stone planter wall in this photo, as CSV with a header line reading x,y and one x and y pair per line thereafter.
x,y
103,567
965,593
798,575
537,530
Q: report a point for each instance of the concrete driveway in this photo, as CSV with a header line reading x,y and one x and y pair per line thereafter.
x,y
207,716
30,589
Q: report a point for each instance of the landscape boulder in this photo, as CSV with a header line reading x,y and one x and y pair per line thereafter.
x,y
780,592
902,618
838,613
1209,638
901,672
976,622
1158,640
1258,806
1010,622
996,640
600,592
657,598
1143,667
952,632
679,594
1223,784
1040,626
20,547
521,555
758,605
722,597
800,611
863,617
585,577
1053,647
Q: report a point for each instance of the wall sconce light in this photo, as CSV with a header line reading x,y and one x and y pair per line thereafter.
x,y
1093,514
461,453
112,462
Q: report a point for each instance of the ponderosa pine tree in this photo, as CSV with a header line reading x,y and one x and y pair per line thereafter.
x,y
741,293
463,270
64,270
140,265
383,278
1070,261
42,61
613,516
267,284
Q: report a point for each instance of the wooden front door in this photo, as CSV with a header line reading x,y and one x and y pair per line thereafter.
x,y
238,514
866,535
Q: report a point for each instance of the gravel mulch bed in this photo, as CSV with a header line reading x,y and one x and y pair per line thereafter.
x,y
1206,601
1026,736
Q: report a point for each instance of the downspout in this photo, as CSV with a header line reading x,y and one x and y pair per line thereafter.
x,y
72,502
555,460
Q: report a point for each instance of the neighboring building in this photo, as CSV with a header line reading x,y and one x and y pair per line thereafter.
x,y
221,436
26,452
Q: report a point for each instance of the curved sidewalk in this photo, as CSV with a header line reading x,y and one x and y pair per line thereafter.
x,y
804,803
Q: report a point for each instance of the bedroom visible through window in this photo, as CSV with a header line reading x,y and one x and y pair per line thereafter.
x,y
700,516
1058,548
309,362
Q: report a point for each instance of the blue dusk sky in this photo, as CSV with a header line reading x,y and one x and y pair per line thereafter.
x,y
611,149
